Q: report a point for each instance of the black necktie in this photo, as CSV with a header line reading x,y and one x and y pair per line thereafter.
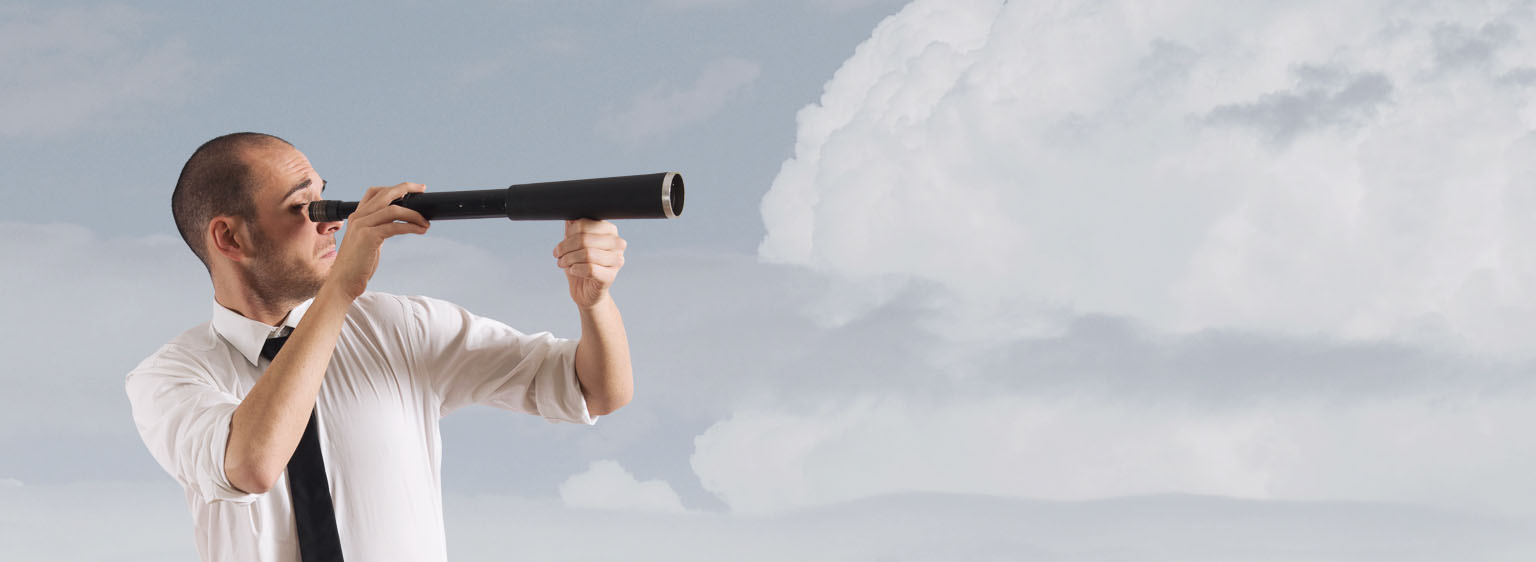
x,y
312,509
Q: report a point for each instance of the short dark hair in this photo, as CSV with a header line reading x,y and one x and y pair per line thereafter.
x,y
216,181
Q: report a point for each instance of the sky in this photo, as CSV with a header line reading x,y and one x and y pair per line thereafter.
x,y
958,279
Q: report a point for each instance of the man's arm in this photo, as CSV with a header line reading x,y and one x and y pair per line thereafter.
x,y
602,359
267,424
591,255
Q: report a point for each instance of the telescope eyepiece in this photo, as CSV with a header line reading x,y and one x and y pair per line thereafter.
x,y
330,211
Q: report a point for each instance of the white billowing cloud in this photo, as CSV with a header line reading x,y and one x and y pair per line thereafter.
x,y
665,107
1458,450
68,69
1360,169
606,485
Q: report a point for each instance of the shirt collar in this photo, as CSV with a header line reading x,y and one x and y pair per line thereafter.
x,y
249,335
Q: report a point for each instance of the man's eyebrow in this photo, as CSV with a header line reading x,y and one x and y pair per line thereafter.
x,y
303,184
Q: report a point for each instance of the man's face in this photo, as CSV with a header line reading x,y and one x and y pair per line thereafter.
x,y
290,256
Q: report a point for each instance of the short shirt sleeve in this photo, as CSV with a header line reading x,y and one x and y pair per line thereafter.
x,y
469,359
184,420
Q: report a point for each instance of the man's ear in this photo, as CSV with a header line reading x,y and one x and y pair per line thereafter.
x,y
228,237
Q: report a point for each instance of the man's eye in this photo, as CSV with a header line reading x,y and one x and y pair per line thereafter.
x,y
299,208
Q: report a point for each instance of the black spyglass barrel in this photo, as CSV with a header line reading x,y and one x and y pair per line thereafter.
x,y
646,196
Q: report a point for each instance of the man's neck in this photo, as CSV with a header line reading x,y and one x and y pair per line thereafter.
x,y
251,305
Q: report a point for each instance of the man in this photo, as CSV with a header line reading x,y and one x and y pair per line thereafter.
x,y
325,444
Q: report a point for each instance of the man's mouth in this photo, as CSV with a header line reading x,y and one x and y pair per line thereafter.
x,y
329,253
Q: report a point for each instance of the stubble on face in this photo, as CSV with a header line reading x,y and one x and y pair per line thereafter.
x,y
279,278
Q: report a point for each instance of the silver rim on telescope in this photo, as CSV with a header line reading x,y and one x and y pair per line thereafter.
x,y
667,203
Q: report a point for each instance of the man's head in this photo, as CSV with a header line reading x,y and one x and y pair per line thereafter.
x,y
240,206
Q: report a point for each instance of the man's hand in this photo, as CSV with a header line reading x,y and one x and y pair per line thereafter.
x,y
591,255
374,220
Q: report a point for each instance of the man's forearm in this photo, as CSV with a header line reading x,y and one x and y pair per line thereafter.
x,y
602,359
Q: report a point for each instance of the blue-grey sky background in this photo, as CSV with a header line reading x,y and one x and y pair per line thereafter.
x,y
956,279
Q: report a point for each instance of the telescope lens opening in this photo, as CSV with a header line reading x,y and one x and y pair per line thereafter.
x,y
677,195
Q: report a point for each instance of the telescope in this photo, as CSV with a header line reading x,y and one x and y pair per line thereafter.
x,y
646,196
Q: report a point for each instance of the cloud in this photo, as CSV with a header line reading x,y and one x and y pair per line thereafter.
x,y
1324,98
606,485
665,108
1363,175
70,69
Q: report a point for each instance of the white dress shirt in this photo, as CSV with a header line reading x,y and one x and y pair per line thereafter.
x,y
400,364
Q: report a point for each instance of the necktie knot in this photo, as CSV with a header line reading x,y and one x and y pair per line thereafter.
x,y
272,346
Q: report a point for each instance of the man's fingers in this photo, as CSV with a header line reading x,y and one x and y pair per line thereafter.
x,y
589,271
592,256
588,240
392,229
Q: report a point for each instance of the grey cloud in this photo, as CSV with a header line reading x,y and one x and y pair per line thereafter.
x,y
1461,46
1166,61
903,343
1324,98
1520,76
1234,369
